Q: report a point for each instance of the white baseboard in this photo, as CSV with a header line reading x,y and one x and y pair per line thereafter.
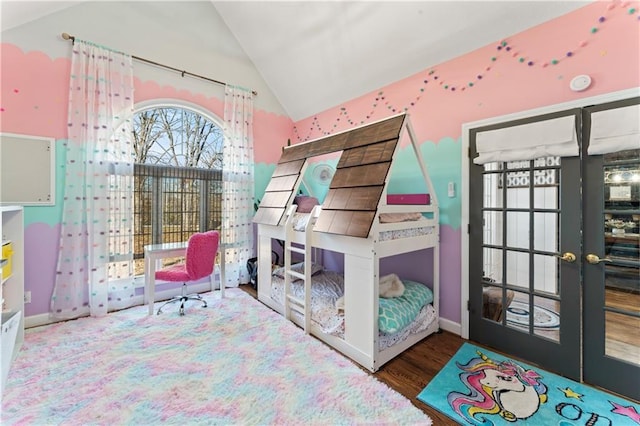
x,y
44,319
450,326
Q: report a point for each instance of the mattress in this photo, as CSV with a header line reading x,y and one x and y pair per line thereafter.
x,y
326,288
299,221
415,231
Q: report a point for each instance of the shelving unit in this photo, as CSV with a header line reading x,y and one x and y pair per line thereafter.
x,y
12,289
622,221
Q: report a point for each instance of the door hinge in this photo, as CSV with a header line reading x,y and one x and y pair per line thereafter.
x,y
468,228
468,305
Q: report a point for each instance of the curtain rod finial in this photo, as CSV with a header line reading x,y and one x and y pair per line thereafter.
x,y
66,36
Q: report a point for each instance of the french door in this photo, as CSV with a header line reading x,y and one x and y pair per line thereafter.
x,y
524,256
611,262
549,282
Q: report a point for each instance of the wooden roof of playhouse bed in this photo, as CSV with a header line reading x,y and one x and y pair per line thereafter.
x,y
358,184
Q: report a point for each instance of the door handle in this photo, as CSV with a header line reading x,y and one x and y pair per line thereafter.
x,y
594,259
567,257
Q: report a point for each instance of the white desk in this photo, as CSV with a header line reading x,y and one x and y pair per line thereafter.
x,y
155,252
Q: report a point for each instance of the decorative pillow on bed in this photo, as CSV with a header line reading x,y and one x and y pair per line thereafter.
x,y
299,221
305,203
396,313
399,217
299,268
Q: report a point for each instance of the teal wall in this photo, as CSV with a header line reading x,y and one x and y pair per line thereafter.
x,y
444,164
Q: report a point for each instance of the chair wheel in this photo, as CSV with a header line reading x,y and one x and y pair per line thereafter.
x,y
181,311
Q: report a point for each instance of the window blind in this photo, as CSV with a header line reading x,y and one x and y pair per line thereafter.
x,y
548,138
615,130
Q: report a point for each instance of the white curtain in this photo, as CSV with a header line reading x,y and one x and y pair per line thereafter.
x,y
548,138
614,130
96,250
238,184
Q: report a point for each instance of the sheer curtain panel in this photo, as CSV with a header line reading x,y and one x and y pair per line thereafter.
x,y
96,251
238,185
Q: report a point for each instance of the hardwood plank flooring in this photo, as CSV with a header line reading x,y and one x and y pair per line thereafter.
x,y
411,371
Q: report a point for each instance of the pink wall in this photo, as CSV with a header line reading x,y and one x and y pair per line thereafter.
x,y
34,93
33,101
526,71
474,86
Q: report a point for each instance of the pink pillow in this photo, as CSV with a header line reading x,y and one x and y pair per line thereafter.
x,y
305,203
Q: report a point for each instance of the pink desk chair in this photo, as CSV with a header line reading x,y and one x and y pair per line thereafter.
x,y
199,263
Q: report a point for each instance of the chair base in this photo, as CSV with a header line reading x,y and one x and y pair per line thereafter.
x,y
182,299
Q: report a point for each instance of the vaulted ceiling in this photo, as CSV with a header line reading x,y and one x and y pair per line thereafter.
x,y
315,55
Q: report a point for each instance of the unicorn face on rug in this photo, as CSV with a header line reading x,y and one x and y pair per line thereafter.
x,y
503,388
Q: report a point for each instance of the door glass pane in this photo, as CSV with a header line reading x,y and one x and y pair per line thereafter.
x,y
492,167
518,269
518,230
495,300
492,265
519,165
545,274
518,182
622,337
545,232
621,282
492,190
545,197
518,197
622,255
546,318
546,171
492,228
620,290
550,161
518,311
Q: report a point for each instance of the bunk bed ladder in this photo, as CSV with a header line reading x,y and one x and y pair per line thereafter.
x,y
292,303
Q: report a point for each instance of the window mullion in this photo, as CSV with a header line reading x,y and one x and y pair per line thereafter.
x,y
204,204
157,196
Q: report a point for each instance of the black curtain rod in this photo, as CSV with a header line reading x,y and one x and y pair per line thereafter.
x,y
182,72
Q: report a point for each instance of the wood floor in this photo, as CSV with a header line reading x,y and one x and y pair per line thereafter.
x,y
409,372
413,369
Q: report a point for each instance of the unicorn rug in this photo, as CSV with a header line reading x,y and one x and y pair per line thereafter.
x,y
479,387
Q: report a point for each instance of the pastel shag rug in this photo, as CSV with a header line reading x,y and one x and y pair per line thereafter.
x,y
234,362
479,387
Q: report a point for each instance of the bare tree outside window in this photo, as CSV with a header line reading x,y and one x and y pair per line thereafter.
x,y
177,137
178,176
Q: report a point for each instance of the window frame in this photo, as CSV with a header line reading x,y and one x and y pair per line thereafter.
x,y
187,106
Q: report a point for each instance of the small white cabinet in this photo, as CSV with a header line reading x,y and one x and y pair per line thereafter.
x,y
12,292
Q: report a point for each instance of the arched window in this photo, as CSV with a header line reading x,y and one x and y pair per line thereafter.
x,y
178,174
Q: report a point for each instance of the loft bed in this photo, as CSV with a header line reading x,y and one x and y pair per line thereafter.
x,y
362,222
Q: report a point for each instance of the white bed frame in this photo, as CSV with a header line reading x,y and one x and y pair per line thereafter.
x,y
361,272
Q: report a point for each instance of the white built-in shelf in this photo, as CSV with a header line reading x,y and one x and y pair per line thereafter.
x,y
12,288
2,263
